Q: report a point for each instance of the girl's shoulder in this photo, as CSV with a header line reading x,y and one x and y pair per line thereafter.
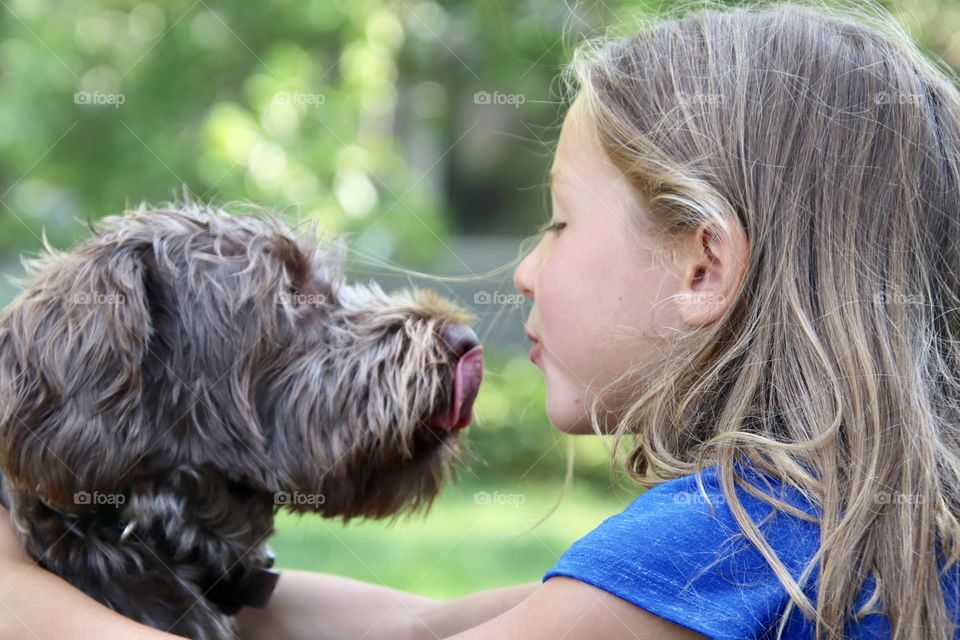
x,y
692,512
678,551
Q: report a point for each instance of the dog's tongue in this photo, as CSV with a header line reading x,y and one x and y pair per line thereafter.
x,y
466,384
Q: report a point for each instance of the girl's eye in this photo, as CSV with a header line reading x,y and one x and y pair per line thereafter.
x,y
556,226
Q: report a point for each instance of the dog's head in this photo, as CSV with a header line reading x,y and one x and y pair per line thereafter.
x,y
185,336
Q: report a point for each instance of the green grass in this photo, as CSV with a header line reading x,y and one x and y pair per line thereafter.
x,y
463,545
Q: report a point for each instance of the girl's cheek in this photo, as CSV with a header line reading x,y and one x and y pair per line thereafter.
x,y
553,287
564,307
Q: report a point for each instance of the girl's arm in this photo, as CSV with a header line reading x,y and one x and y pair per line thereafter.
x,y
34,602
566,608
322,606
443,619
560,607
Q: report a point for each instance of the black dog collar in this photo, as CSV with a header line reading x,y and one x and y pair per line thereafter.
x,y
253,589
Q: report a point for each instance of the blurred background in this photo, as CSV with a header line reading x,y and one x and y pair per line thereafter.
x,y
423,129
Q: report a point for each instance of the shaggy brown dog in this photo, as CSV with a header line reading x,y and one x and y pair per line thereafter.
x,y
170,383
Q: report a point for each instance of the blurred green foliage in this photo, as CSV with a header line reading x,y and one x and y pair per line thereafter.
x,y
477,536
360,113
365,114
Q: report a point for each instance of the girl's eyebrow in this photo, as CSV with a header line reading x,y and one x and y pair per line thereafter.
x,y
554,181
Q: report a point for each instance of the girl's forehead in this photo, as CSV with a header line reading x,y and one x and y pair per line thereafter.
x,y
579,156
575,145
572,130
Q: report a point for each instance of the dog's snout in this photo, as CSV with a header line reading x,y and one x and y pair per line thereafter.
x,y
459,338
456,412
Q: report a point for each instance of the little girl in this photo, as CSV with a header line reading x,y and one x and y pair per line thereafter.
x,y
751,276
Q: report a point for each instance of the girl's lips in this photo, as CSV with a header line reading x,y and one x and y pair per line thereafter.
x,y
535,349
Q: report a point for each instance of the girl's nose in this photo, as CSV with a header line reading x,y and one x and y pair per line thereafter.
x,y
523,277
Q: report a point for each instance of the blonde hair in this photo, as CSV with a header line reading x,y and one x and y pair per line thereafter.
x,y
836,145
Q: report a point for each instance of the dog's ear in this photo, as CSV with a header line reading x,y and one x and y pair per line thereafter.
x,y
72,345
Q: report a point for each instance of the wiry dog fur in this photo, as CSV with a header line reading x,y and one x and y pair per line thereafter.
x,y
205,370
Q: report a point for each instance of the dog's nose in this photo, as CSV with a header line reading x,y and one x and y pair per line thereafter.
x,y
459,338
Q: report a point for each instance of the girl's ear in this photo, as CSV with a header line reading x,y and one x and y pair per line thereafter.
x,y
712,264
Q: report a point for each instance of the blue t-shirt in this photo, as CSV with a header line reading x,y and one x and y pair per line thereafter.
x,y
667,554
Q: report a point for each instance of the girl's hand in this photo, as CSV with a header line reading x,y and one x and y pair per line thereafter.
x,y
35,603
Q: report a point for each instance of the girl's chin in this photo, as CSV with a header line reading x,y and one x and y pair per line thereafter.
x,y
570,418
